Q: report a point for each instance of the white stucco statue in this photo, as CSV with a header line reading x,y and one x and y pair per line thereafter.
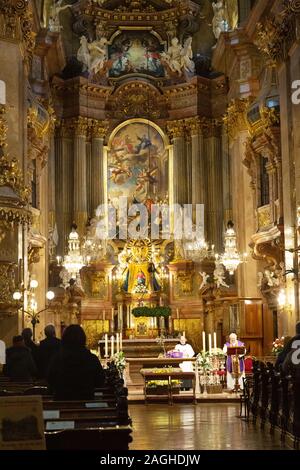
x,y
83,54
204,279
219,275
55,9
219,22
173,56
98,54
187,62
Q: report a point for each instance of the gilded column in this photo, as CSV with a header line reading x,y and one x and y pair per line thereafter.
x,y
99,130
80,174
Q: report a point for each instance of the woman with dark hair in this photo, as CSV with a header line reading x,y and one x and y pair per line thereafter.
x,y
74,372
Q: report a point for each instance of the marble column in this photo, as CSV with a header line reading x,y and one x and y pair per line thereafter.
x,y
80,174
63,178
214,204
98,181
177,134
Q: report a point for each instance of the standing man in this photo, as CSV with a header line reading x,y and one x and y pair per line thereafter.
x,y
231,366
48,348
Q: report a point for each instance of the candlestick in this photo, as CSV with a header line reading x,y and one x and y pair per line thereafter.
x,y
209,343
203,341
215,340
117,341
106,346
112,339
121,342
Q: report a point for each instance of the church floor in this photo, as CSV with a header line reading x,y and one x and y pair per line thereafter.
x,y
206,426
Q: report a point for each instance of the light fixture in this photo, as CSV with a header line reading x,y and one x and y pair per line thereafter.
x,y
50,295
196,249
33,284
17,295
281,299
231,258
73,261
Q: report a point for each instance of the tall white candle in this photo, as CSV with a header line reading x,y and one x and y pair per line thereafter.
x,y
215,340
106,346
103,315
112,339
203,341
117,341
177,313
112,313
2,92
121,342
209,342
183,334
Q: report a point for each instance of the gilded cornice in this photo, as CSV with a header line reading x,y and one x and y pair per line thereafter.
x,y
17,24
83,126
175,129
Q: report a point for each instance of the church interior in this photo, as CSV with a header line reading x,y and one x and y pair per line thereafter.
x,y
150,194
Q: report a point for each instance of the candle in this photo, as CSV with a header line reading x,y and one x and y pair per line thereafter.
x,y
112,313
215,340
203,341
112,339
121,342
106,346
117,341
209,342
183,334
177,313
2,92
103,315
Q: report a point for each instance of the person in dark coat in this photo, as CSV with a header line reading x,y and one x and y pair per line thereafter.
x,y
48,348
287,348
20,365
27,335
74,372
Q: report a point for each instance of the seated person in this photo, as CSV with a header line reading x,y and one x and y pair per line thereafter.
x,y
74,371
20,365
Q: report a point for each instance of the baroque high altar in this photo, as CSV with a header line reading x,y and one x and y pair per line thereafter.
x,y
160,102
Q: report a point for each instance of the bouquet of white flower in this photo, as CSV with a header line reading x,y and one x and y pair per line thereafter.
x,y
120,362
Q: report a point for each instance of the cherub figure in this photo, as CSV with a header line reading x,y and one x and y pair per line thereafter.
x,y
173,57
219,276
205,277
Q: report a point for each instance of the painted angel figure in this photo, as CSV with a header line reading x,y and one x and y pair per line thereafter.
x,y
219,275
56,8
98,53
83,54
187,62
205,277
173,57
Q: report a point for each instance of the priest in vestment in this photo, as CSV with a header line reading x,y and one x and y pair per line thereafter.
x,y
233,341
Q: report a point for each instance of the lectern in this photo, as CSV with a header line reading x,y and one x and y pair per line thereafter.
x,y
234,352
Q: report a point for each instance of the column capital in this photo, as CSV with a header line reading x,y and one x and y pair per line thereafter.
x,y
175,129
80,126
98,128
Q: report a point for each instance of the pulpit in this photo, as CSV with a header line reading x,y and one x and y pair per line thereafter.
x,y
234,352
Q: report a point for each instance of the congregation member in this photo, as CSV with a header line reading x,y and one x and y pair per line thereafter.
x,y
27,336
20,365
47,349
288,347
74,372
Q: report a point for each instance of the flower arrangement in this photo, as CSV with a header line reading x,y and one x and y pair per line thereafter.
x,y
203,361
278,346
120,362
163,383
151,312
217,352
